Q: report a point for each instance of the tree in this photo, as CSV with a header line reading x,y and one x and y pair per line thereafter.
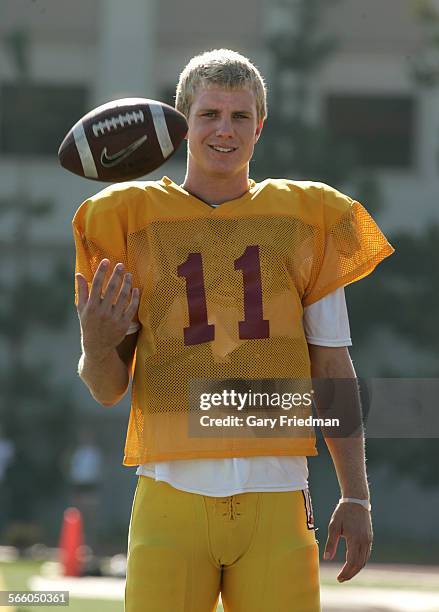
x,y
408,287
297,141
298,144
425,65
37,415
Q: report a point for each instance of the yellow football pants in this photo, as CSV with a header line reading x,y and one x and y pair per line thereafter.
x,y
184,549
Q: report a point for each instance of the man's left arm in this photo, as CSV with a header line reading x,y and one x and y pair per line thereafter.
x,y
350,521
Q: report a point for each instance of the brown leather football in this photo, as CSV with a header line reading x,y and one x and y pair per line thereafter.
x,y
122,140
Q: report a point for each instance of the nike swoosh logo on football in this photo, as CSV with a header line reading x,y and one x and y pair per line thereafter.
x,y
108,161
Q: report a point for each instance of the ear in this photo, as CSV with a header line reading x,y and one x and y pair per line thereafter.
x,y
259,130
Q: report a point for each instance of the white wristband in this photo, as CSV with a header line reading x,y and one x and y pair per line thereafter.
x,y
362,502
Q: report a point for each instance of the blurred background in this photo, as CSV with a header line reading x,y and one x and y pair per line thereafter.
x,y
353,101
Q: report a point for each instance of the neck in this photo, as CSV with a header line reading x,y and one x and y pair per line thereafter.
x,y
216,190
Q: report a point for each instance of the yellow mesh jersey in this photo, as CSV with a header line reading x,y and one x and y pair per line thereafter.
x,y
222,293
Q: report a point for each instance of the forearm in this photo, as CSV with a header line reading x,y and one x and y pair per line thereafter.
x,y
347,453
350,465
107,378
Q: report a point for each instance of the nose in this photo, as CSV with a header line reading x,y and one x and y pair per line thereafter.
x,y
224,127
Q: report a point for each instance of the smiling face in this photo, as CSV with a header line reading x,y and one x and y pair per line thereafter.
x,y
223,130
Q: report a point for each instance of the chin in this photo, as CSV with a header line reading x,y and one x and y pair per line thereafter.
x,y
225,170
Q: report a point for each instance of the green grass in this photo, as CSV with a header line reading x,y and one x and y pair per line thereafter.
x,y
91,605
16,576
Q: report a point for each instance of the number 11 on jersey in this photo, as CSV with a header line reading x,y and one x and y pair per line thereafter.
x,y
253,326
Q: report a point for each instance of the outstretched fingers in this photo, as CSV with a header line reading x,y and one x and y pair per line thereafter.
x,y
123,297
98,283
82,291
107,309
132,306
113,288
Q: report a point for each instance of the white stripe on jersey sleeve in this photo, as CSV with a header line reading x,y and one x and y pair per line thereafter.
x,y
326,322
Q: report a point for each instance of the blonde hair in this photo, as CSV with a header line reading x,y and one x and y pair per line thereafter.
x,y
224,68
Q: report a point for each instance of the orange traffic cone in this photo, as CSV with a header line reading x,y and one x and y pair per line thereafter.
x,y
71,542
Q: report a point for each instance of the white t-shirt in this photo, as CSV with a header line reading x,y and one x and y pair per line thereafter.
x,y
326,323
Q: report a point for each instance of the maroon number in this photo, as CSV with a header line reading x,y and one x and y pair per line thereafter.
x,y
254,325
199,330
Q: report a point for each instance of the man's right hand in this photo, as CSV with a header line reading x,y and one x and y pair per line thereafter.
x,y
105,316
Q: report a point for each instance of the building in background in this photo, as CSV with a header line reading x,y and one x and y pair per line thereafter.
x,y
85,53
82,54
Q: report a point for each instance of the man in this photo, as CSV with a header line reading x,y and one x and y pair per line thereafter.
x,y
223,278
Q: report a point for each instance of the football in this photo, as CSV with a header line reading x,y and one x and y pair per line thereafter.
x,y
122,140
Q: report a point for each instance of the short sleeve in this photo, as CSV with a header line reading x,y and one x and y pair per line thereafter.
x,y
348,245
100,231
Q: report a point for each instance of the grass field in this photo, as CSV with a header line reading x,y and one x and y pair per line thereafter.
x,y
397,582
15,576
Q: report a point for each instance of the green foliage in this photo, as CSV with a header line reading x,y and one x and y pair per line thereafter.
x,y
409,458
425,65
17,45
413,281
37,303
404,294
295,144
424,11
403,297
305,49
311,151
36,415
